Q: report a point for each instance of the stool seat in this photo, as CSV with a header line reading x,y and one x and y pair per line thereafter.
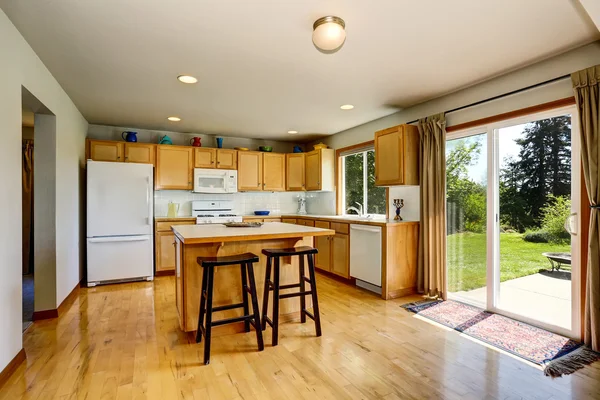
x,y
292,251
227,260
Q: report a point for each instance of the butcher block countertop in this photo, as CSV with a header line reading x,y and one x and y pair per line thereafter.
x,y
217,233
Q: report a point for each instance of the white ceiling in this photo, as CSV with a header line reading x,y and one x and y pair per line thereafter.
x,y
259,73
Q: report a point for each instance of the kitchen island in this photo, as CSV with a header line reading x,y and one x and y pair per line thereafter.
x,y
216,240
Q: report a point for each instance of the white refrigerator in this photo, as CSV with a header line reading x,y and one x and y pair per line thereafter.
x,y
120,201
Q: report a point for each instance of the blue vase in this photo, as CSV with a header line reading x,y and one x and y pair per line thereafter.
x,y
220,142
130,137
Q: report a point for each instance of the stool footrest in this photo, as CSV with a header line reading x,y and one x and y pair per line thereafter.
x,y
268,321
306,279
309,314
290,286
288,295
228,307
232,320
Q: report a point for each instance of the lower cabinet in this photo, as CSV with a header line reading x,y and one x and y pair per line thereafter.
x,y
340,260
164,239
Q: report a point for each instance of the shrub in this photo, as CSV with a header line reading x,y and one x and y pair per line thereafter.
x,y
554,215
536,236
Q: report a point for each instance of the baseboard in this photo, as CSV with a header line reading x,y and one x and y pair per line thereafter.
x,y
45,314
12,366
62,308
165,273
394,294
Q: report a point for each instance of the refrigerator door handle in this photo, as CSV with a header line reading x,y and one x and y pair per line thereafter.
x,y
118,239
148,202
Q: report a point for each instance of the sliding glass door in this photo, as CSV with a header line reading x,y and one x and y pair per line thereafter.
x,y
512,196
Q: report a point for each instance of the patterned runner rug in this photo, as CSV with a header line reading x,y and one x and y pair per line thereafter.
x,y
558,354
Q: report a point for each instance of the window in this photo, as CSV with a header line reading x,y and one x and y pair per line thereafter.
x,y
359,184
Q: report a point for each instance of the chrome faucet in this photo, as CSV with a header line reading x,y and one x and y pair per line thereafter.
x,y
358,210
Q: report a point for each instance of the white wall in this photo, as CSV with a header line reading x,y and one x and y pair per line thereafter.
x,y
19,66
105,132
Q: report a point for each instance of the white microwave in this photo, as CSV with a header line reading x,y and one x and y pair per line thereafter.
x,y
215,180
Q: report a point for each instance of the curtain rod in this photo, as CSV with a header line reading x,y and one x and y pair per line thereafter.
x,y
501,96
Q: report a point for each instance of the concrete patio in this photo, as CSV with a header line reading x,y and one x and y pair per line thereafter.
x,y
545,296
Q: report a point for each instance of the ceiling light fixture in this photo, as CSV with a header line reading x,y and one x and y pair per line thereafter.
x,y
187,79
347,107
174,119
329,34
292,132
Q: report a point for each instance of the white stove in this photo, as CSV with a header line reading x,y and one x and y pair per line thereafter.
x,y
214,212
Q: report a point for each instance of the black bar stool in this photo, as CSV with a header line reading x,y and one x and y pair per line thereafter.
x,y
206,298
276,254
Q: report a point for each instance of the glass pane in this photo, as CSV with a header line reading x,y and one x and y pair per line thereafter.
x,y
466,203
353,174
375,195
535,202
211,182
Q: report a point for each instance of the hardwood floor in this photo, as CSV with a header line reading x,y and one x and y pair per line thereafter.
x,y
123,342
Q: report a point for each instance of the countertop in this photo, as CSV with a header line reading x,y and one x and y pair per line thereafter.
x,y
216,233
171,219
336,218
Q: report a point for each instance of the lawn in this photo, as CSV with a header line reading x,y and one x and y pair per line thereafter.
x,y
467,258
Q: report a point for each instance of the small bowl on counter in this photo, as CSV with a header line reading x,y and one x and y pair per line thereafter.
x,y
263,213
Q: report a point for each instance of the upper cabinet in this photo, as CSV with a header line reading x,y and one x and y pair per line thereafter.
x,y
140,153
205,157
397,156
250,166
319,170
104,150
274,172
174,167
226,159
295,171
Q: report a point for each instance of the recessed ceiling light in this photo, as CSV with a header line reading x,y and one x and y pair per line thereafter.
x,y
174,119
347,107
292,132
187,79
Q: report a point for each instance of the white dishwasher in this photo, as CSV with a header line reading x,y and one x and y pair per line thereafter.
x,y
365,256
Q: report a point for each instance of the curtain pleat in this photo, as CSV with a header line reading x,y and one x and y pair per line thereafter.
x,y
431,270
586,85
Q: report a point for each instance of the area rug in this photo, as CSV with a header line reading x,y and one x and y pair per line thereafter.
x,y
558,354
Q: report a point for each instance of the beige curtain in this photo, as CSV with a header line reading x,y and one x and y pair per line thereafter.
x,y
586,85
27,204
431,273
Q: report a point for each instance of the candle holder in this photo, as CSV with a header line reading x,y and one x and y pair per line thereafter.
x,y
398,203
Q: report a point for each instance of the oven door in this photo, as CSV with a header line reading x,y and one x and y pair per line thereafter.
x,y
209,181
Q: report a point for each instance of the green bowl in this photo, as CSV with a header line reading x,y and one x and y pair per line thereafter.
x,y
266,148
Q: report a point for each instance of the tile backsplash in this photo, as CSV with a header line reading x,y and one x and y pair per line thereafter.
x,y
248,202
412,202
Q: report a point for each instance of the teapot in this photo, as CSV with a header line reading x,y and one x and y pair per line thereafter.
x,y
131,136
165,140
195,141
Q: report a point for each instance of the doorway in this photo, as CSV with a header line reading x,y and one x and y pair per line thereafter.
x,y
512,201
27,197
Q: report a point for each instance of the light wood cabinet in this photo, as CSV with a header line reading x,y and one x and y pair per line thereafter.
x,y
323,245
164,239
104,150
288,220
295,172
205,157
274,172
340,260
140,153
319,170
174,167
226,159
397,156
250,170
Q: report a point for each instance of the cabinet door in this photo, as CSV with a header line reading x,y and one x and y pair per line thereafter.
x,y
102,150
323,244
226,159
174,167
140,153
313,170
274,172
250,170
204,157
339,259
389,156
295,171
288,220
165,251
